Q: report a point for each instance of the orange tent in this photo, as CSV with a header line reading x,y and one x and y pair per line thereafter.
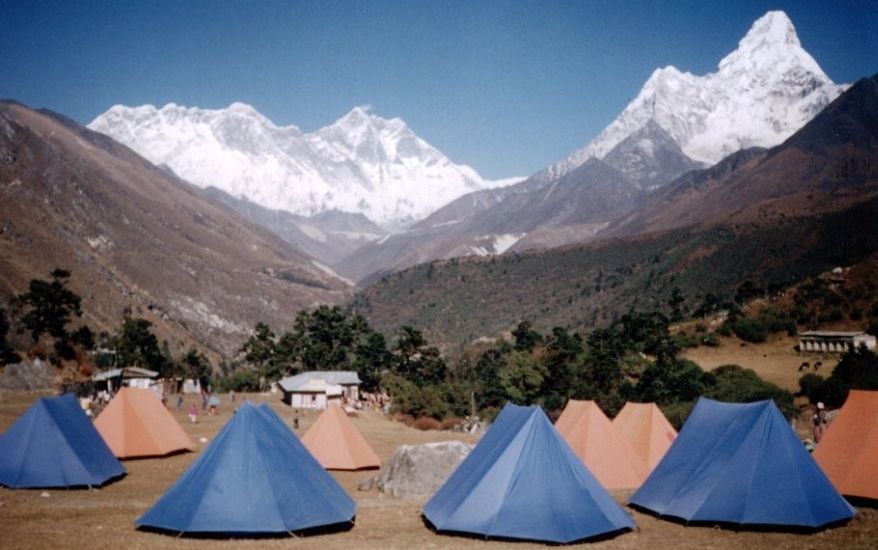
x,y
136,424
647,429
336,443
606,454
848,453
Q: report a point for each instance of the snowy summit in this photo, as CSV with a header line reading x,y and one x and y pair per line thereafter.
x,y
761,93
360,164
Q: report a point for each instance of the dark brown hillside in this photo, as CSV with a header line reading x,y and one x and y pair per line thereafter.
x,y
135,236
853,121
457,301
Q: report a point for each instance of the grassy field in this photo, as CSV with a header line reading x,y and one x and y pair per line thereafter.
x,y
104,518
774,360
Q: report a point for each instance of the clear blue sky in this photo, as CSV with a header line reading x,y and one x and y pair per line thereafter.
x,y
507,87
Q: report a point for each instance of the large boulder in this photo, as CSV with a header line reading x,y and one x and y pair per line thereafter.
x,y
417,471
27,376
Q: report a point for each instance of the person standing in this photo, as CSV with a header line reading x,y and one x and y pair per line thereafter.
x,y
193,413
819,420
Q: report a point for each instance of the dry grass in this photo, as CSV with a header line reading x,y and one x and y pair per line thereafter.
x,y
774,360
105,518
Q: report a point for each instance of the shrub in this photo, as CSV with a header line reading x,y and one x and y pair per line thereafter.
x,y
672,382
488,414
451,423
406,419
686,341
809,385
725,329
711,339
833,392
739,385
425,423
750,330
756,329
833,315
858,369
240,381
677,413
414,400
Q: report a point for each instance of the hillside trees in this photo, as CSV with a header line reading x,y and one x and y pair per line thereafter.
x,y
417,361
563,355
261,351
756,328
136,345
419,380
485,377
522,377
51,305
195,366
634,359
525,337
372,359
857,370
7,355
325,338
48,308
735,384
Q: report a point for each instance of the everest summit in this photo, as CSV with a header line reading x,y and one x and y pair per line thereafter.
x,y
360,164
761,93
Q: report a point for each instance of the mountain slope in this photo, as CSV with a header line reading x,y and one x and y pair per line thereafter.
x,y
650,157
827,165
581,287
773,217
589,197
328,237
135,236
761,93
360,164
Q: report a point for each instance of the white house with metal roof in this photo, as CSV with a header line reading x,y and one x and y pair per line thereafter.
x,y
134,377
834,341
317,389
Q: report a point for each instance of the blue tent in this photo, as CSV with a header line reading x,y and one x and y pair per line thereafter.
x,y
255,477
741,464
522,481
54,444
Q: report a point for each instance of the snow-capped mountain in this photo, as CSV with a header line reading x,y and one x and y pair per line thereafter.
x,y
360,164
761,93
650,157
